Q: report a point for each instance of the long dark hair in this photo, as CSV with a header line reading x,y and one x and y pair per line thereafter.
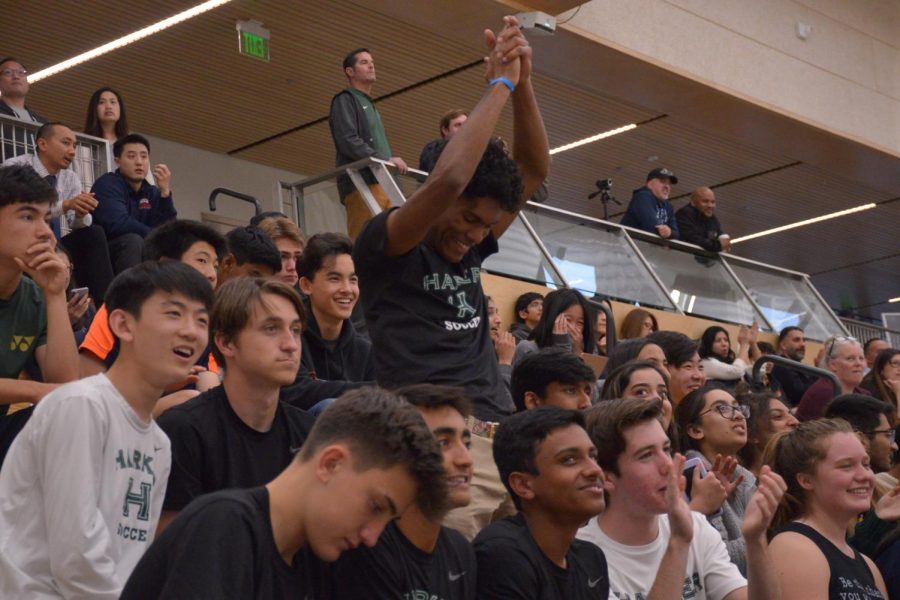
x,y
874,380
556,302
92,123
706,344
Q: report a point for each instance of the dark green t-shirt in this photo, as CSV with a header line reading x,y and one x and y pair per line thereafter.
x,y
376,127
23,328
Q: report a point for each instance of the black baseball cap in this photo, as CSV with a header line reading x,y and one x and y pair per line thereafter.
x,y
662,173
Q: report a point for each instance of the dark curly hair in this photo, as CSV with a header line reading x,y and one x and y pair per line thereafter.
x,y
497,176
383,431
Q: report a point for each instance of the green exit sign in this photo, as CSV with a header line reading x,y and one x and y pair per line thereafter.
x,y
253,39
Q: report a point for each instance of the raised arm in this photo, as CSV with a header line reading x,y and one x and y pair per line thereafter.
x,y
763,580
58,359
669,582
408,225
531,150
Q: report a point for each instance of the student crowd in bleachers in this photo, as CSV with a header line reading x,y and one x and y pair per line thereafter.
x,y
225,428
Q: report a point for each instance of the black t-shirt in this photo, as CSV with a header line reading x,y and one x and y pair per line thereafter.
x,y
212,449
428,318
512,566
850,577
395,568
221,546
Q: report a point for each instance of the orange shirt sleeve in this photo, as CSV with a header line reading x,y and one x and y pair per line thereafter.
x,y
99,340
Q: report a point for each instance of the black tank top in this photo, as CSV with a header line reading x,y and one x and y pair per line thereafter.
x,y
850,577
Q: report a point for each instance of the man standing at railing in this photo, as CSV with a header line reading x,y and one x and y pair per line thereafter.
x,y
13,89
358,133
419,265
698,223
650,208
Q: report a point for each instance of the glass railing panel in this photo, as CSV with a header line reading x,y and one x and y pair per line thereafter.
x,y
520,257
594,259
699,285
787,299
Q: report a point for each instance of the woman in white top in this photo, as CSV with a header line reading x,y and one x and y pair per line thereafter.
x,y
720,362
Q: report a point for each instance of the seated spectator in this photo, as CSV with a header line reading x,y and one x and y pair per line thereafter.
x,y
367,460
195,244
548,465
685,368
129,207
871,349
14,88
656,547
713,428
844,357
874,421
33,312
71,222
721,363
450,124
793,384
566,322
238,434
84,482
883,380
504,342
552,376
829,483
527,310
290,242
638,323
331,348
650,209
698,224
251,253
768,415
644,380
416,557
636,349
601,328
106,117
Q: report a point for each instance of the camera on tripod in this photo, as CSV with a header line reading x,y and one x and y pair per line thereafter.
x,y
603,190
604,185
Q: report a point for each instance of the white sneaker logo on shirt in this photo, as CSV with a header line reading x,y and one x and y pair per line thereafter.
x,y
454,576
592,583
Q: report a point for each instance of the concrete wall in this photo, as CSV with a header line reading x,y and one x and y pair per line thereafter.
x,y
844,78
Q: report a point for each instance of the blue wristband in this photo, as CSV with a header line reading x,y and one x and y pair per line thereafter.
x,y
504,81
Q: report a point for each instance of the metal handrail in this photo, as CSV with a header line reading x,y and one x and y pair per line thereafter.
x,y
342,170
226,192
610,325
793,365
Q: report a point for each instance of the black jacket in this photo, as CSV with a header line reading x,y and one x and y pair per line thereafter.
x,y
6,110
352,137
698,229
349,359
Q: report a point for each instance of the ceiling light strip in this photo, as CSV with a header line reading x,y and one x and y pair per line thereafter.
x,y
125,40
593,138
892,300
834,215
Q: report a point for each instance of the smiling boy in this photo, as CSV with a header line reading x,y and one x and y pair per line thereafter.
x,y
84,481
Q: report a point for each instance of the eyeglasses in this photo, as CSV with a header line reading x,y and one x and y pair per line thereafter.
x,y
890,433
16,72
894,363
834,341
729,411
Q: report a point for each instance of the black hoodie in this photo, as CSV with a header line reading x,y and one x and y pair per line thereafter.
x,y
349,358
